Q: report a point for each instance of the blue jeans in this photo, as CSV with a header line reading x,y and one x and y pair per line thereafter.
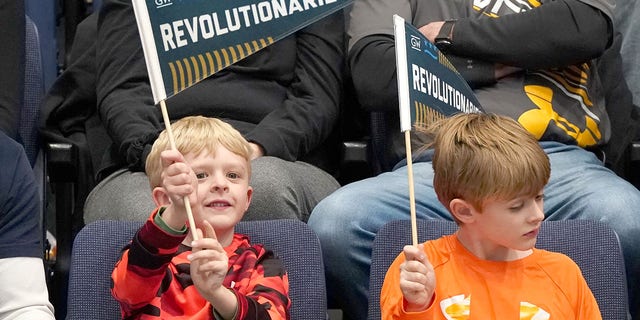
x,y
346,222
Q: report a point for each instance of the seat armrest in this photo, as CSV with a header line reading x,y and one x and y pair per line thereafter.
x,y
62,162
62,171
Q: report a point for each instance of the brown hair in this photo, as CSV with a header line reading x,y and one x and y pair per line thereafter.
x,y
479,156
195,134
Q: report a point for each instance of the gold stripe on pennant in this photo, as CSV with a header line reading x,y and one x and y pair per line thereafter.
x,y
226,58
241,51
196,69
247,46
256,46
212,66
218,60
187,68
181,72
234,56
174,77
204,66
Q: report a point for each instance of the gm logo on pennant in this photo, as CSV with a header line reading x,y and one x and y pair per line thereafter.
x,y
163,3
415,42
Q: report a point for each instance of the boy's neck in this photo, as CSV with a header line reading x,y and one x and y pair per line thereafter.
x,y
225,238
485,249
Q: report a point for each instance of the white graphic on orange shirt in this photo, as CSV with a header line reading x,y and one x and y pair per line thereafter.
x,y
459,307
456,307
530,311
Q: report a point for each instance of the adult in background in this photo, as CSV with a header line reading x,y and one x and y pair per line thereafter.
x,y
284,99
23,293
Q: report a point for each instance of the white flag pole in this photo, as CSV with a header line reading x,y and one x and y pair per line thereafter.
x,y
157,84
172,141
405,114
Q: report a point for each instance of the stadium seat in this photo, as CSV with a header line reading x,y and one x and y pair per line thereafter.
x,y
98,246
592,245
33,93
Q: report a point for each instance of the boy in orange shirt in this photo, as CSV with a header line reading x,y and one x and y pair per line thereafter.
x,y
490,174
166,274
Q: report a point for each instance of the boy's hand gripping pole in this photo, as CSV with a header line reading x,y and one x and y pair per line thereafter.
x,y
187,204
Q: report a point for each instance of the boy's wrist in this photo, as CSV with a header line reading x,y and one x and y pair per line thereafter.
x,y
226,301
164,226
411,307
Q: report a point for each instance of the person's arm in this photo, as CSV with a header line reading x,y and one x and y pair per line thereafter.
x,y
373,72
209,268
311,108
124,98
23,293
268,285
393,304
586,32
23,289
139,272
555,34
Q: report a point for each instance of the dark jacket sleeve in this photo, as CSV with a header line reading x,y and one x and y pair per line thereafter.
x,y
372,61
141,270
311,107
586,34
555,34
623,114
20,231
124,100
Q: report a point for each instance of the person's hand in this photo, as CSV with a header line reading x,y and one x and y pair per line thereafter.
x,y
502,70
178,180
417,279
257,151
431,30
209,264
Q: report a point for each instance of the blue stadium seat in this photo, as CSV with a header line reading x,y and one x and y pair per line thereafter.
x,y
594,246
98,245
33,92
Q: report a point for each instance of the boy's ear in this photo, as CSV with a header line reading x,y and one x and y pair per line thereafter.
x,y
249,197
160,197
462,210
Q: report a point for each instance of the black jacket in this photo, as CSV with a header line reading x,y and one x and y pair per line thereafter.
x,y
286,97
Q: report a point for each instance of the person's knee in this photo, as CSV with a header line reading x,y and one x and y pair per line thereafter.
x,y
619,202
334,214
270,175
619,207
124,195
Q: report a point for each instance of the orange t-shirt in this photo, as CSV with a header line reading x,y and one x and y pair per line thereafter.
x,y
543,285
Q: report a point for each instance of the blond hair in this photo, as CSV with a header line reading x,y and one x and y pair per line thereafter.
x,y
480,156
196,134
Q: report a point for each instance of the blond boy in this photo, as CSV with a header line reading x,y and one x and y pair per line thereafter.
x,y
164,273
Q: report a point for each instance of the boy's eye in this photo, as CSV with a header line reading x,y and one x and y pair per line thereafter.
x,y
233,175
516,206
201,175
